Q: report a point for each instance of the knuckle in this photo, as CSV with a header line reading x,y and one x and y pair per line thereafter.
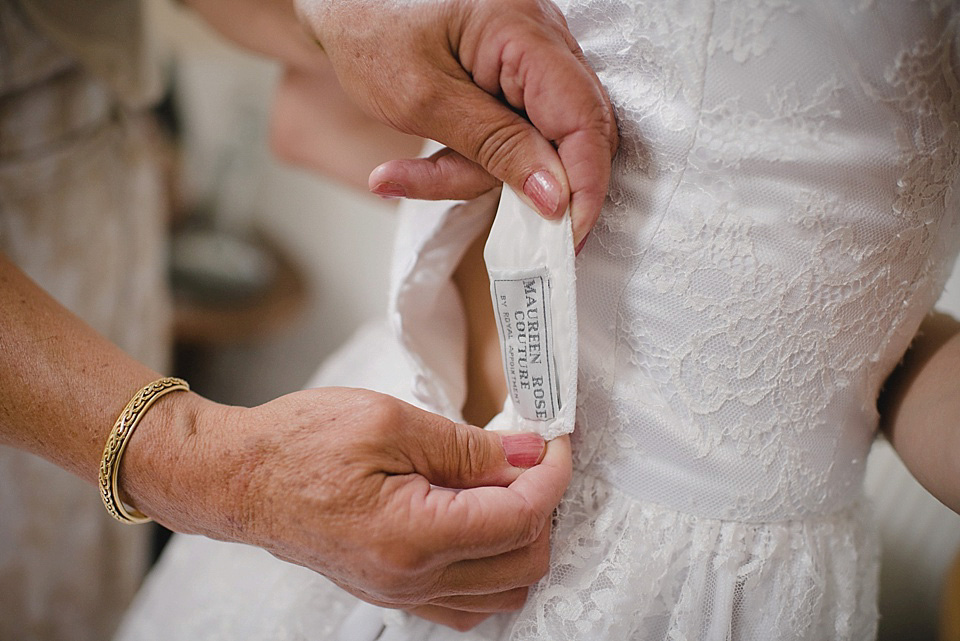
x,y
464,178
473,458
402,561
390,588
380,413
532,525
389,591
534,566
600,123
502,147
610,128
423,97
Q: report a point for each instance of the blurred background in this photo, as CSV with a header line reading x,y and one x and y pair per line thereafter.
x,y
294,263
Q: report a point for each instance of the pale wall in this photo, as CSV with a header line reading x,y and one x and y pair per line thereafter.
x,y
341,238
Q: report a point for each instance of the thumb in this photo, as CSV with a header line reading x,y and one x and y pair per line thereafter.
x,y
454,455
505,144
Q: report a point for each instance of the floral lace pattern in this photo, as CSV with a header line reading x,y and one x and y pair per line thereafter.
x,y
710,582
783,212
776,269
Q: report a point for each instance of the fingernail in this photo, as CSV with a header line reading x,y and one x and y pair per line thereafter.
x,y
576,252
389,190
544,190
523,450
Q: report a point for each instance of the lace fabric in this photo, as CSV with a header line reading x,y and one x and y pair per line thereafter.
x,y
697,578
783,212
781,218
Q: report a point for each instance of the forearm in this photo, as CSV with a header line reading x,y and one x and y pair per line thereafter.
x,y
62,386
347,482
316,126
920,409
268,27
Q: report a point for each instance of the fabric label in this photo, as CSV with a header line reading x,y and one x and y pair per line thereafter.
x,y
522,305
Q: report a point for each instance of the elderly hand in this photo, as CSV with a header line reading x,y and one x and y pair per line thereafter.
x,y
502,83
351,483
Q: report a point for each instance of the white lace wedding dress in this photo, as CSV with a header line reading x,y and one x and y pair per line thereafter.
x,y
784,211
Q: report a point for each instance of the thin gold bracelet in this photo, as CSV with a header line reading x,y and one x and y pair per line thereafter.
x,y
117,444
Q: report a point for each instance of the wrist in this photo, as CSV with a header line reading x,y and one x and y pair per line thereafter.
x,y
162,472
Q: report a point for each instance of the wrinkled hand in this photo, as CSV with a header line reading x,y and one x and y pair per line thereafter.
x,y
351,483
502,83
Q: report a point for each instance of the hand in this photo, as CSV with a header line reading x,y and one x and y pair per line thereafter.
x,y
351,483
499,82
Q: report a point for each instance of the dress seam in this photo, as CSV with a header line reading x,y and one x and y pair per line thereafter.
x,y
857,504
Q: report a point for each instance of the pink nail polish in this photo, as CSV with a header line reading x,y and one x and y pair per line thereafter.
x,y
389,190
544,190
523,450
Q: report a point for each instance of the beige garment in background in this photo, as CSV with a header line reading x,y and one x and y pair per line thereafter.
x,y
108,37
82,213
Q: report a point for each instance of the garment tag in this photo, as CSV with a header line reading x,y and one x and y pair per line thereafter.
x,y
526,339
530,263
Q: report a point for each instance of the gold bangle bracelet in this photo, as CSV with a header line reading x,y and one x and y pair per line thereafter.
x,y
117,443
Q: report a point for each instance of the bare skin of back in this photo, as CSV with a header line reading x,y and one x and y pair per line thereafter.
x,y
486,387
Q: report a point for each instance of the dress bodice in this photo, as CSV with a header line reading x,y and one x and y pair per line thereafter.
x,y
784,210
